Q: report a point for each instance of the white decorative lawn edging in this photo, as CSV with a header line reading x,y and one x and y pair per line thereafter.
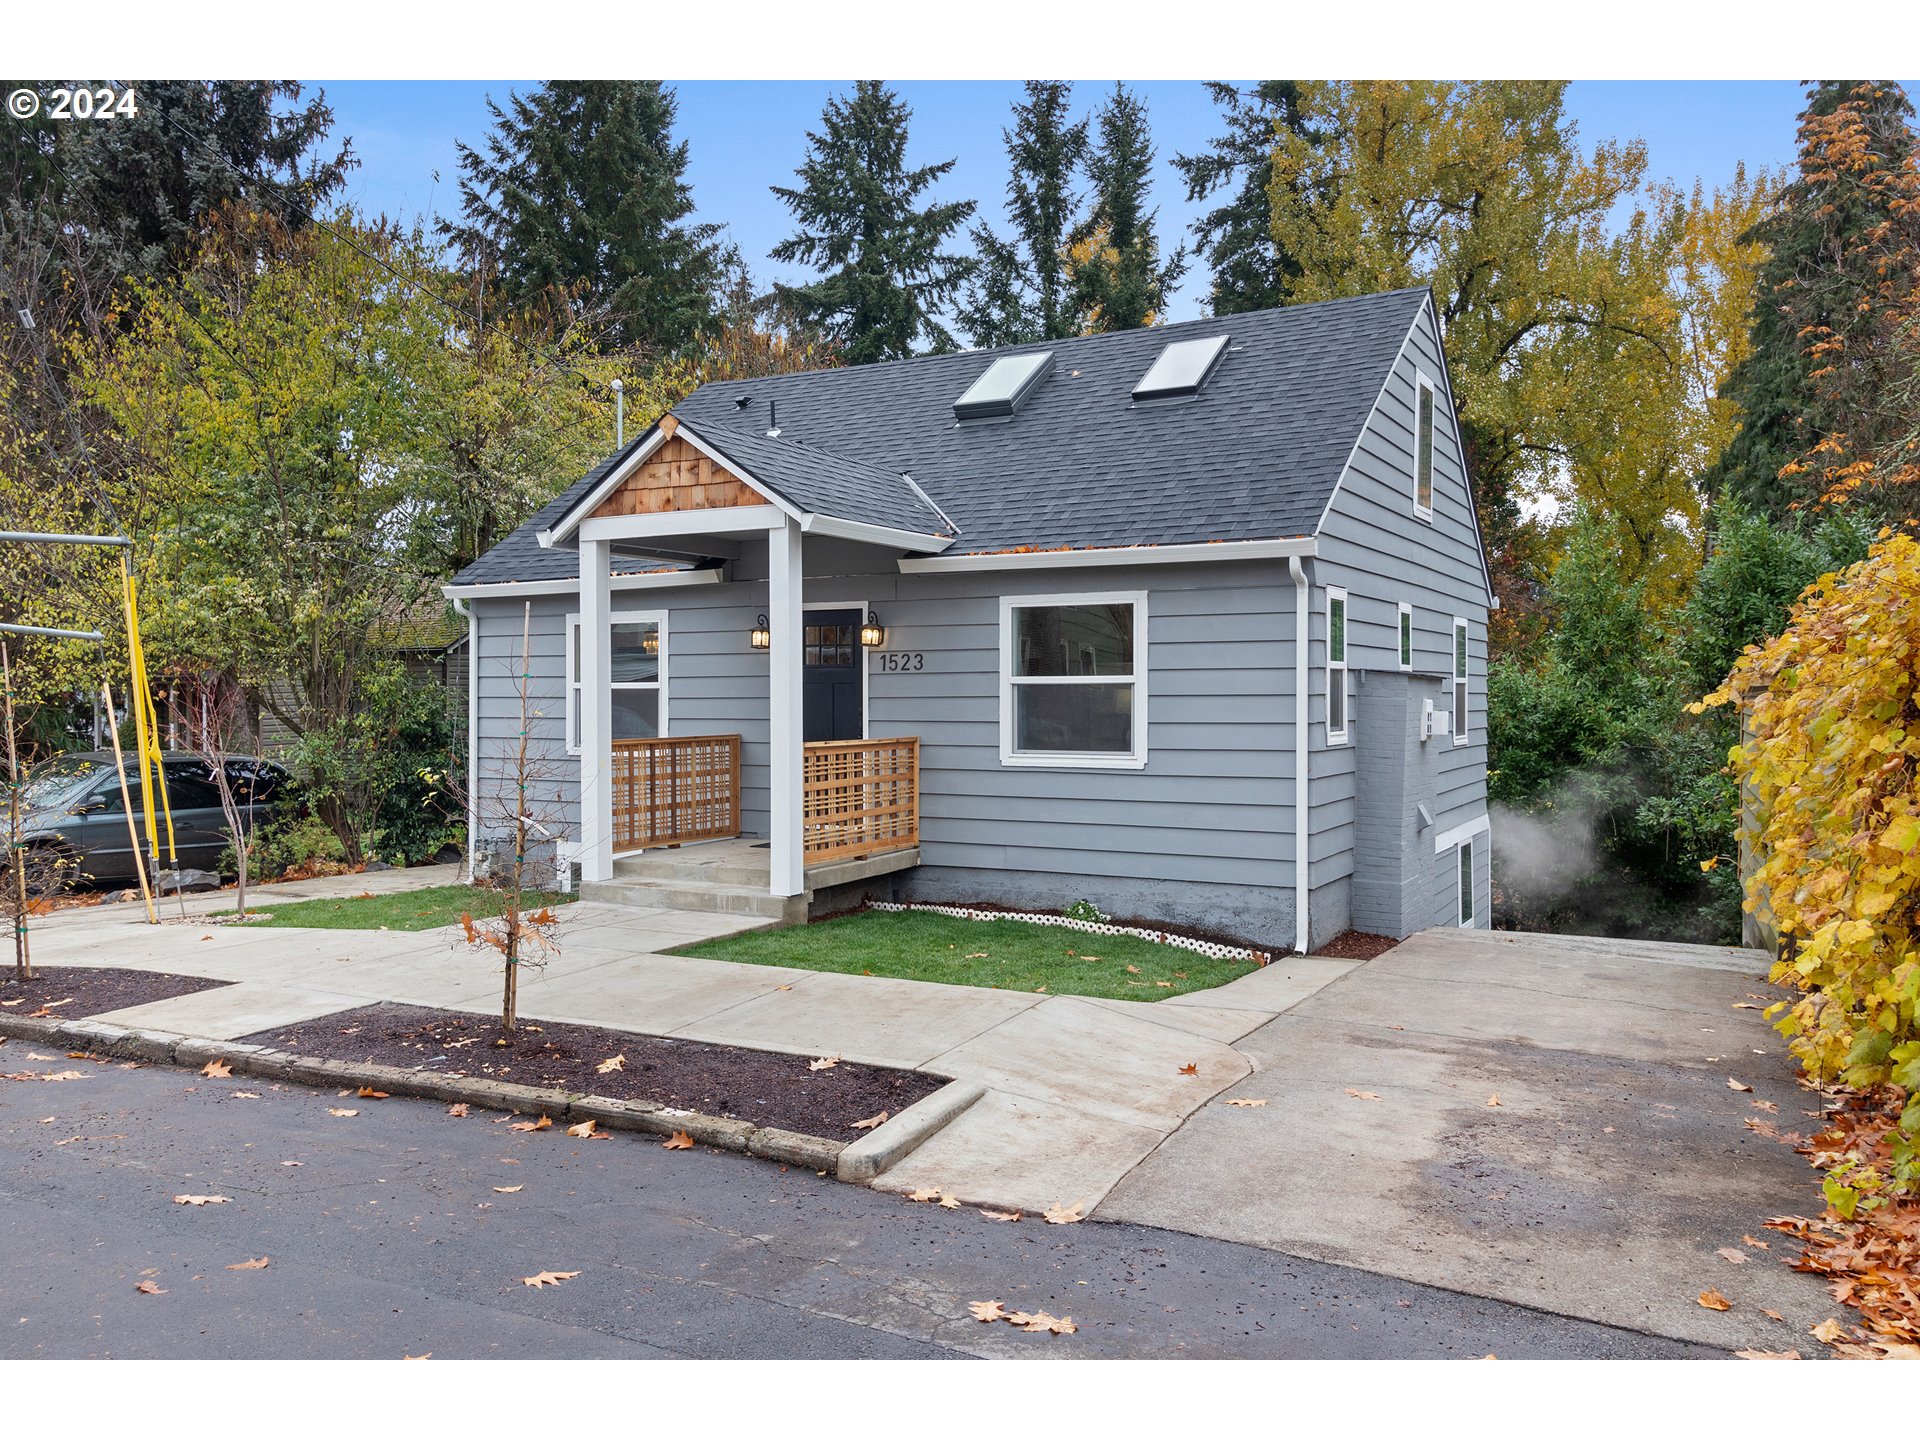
x,y
1091,927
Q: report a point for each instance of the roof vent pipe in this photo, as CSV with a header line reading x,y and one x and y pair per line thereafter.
x,y
773,421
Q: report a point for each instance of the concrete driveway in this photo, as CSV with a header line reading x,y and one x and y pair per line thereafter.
x,y
1617,1163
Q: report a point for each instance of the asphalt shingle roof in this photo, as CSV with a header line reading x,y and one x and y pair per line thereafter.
x,y
1254,456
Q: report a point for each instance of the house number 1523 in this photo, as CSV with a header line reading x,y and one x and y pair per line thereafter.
x,y
902,660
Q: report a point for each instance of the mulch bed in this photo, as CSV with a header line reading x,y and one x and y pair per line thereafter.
x,y
1357,945
70,992
757,1086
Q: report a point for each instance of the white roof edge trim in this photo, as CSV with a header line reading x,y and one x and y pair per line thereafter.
x,y
815,524
535,588
1115,555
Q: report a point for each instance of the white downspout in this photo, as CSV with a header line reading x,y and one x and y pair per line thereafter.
x,y
460,607
1301,826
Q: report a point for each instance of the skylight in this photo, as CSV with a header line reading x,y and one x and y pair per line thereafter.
x,y
1183,367
1004,386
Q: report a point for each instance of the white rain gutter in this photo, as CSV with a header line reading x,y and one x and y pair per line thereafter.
x,y
461,607
1301,826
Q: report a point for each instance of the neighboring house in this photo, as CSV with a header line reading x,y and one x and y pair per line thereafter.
x,y
1189,622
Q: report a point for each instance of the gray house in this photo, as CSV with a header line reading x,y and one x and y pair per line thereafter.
x,y
1189,622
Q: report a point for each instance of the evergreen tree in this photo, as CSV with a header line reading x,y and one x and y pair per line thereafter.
x,y
883,275
581,189
1816,272
1250,270
1119,279
1021,290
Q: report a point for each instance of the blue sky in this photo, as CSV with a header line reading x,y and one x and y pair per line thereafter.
x,y
748,135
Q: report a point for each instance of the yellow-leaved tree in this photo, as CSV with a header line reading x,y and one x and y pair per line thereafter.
x,y
1831,762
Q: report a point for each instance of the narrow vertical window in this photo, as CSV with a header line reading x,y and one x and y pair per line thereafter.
x,y
1459,681
1423,447
1336,665
1466,883
1406,636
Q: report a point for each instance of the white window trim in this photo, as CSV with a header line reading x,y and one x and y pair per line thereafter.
x,y
1465,887
571,686
866,658
1421,382
1403,627
1460,715
1339,667
1071,760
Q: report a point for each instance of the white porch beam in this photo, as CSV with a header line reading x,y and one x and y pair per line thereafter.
x,y
785,714
596,711
733,520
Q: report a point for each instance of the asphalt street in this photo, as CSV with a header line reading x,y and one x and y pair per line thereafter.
x,y
401,1230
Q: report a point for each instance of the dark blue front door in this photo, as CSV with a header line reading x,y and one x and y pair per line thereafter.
x,y
832,661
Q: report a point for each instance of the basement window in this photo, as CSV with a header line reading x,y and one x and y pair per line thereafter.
x,y
1182,368
1003,387
1466,883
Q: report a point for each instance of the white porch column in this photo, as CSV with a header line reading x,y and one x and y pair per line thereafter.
x,y
784,709
596,711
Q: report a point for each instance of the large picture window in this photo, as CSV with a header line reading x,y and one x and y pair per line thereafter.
x,y
1073,680
1336,665
637,679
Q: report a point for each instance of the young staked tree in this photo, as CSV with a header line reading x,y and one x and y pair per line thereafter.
x,y
580,190
214,707
514,802
1250,269
1820,337
1020,290
1120,281
878,250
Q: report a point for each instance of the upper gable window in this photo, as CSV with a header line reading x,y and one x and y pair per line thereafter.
x,y
1423,447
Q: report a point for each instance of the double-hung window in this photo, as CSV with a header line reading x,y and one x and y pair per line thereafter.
x,y
1073,680
1423,416
637,679
1459,681
1336,665
1406,636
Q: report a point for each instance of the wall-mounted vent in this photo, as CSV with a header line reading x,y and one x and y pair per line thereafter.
x,y
1004,386
1183,367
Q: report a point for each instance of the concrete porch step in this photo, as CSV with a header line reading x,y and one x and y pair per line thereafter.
x,y
729,865
707,896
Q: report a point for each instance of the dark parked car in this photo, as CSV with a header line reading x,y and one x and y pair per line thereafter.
x,y
73,808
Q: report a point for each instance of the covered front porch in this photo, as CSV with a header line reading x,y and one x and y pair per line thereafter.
x,y
835,809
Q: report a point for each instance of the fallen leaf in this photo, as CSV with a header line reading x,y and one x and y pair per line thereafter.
x,y
1063,1326
783,987
147,1287
1249,1104
367,1092
1714,1300
259,1264
1756,1244
427,1356
1766,1105
1828,1332
1189,1069
336,1110
216,1070
948,1202
290,1164
547,1277
582,1131
925,1192
1493,1102
1164,984
202,1199
976,955
1774,1315
545,1122
679,1140
1733,1084
1362,1094
825,1062
1063,1214
1731,1255
986,1311
245,1095
508,1189
1133,969
1005,1217
607,1067
458,1110
871,1121
1766,1354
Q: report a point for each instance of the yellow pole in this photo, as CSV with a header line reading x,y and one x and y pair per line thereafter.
x,y
126,804
146,722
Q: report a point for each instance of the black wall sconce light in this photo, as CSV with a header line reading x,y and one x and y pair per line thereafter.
x,y
762,637
873,634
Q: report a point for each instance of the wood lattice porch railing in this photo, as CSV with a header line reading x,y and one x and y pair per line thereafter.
x,y
860,797
670,790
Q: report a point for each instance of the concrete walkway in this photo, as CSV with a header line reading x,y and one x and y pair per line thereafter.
x,y
1078,1091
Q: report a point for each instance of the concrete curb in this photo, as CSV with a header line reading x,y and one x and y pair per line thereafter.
x,y
882,1148
158,1047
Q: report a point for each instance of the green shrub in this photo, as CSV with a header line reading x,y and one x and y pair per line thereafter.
x,y
287,843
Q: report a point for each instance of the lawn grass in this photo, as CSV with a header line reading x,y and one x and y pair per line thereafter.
x,y
426,909
996,954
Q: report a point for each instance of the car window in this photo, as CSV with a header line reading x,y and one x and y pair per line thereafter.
x,y
255,782
60,783
190,786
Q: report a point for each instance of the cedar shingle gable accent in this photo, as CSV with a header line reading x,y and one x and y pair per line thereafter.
x,y
678,477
